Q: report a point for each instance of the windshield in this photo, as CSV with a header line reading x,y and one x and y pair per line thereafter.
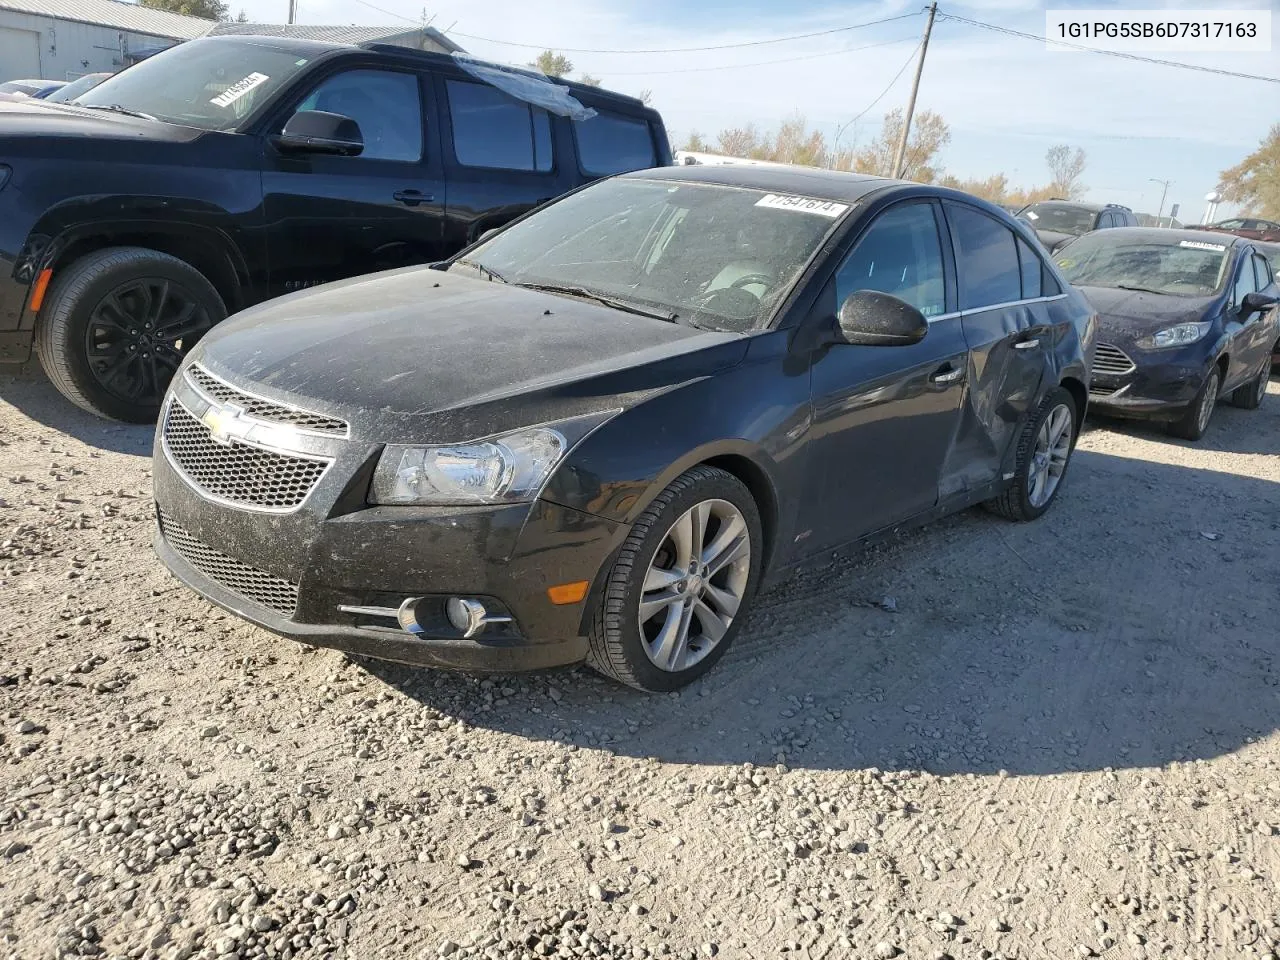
x,y
1184,268
1060,219
212,83
77,87
709,255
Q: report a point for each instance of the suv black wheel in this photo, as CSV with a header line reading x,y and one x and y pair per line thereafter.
x,y
1044,451
1196,420
681,583
117,324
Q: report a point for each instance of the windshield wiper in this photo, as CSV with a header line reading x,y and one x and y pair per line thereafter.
x,y
1121,286
568,290
486,272
116,108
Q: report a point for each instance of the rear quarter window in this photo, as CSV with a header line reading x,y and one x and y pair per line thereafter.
x,y
610,143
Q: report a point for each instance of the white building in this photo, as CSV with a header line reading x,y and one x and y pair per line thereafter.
x,y
65,39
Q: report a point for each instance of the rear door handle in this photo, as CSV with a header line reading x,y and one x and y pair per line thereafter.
x,y
947,374
411,198
1027,344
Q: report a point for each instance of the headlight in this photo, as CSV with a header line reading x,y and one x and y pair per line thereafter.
x,y
507,469
1178,336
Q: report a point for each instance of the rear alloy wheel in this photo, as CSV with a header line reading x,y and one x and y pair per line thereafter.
x,y
1249,396
1044,450
677,592
1196,420
116,326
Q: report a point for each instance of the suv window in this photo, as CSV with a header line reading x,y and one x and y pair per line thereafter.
x,y
986,259
496,131
385,105
1105,220
900,254
609,143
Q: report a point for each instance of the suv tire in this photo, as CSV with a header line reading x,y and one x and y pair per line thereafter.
x,y
116,325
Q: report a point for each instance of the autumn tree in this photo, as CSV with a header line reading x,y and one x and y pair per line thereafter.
x,y
589,80
738,141
1254,182
553,64
208,9
696,143
795,143
929,134
994,188
1065,170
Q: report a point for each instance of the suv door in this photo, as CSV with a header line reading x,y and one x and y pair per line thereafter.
x,y
1012,313
330,217
501,155
884,417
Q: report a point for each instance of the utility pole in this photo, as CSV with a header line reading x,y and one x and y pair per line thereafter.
x,y
900,158
293,9
1163,194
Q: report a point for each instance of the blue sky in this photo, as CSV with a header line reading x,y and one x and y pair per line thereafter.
x,y
1006,99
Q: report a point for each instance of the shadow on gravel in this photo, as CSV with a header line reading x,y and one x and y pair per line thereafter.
x,y
1232,430
1132,626
31,392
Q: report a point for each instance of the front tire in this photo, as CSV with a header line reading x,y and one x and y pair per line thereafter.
x,y
1044,451
1196,420
116,326
1249,396
677,593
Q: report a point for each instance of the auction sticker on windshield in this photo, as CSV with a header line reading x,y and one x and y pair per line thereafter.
x,y
823,208
1201,245
238,89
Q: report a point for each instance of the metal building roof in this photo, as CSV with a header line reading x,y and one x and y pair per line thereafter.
x,y
422,38
115,14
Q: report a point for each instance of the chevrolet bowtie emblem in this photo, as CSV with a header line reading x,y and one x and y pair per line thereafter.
x,y
225,423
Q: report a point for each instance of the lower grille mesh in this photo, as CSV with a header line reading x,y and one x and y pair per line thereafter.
x,y
250,583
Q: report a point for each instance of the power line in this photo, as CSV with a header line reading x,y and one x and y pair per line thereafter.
x,y
758,63
722,46
1109,53
896,77
389,13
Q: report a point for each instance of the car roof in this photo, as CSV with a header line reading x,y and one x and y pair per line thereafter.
x,y
1175,236
1077,204
803,181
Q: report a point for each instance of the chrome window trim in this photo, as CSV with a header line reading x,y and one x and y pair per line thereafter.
x,y
995,306
214,401
223,501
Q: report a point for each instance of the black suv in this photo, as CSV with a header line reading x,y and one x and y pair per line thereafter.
x,y
1057,221
229,170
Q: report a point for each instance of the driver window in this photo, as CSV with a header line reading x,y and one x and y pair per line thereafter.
x,y
386,106
901,254
1246,282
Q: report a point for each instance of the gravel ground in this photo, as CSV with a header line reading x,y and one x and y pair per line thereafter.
x,y
978,740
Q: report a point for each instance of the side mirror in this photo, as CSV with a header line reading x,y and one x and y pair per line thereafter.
x,y
1257,302
314,131
873,319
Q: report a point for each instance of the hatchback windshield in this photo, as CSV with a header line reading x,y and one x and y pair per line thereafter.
x,y
1185,268
709,255
212,83
1060,219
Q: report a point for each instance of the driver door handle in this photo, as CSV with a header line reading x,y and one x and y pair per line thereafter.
x,y
1027,344
411,198
947,374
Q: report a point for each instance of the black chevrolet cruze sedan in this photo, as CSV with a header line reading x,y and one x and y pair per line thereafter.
x,y
595,434
1185,318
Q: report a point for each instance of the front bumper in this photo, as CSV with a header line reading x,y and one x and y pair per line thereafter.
x,y
1161,385
291,571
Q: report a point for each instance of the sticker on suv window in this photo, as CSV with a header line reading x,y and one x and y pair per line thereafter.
x,y
823,208
1201,245
238,89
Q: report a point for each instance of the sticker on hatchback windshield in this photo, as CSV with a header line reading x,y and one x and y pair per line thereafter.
x,y
238,89
1201,245
823,208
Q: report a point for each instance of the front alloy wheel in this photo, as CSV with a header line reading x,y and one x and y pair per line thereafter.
x,y
676,594
1196,420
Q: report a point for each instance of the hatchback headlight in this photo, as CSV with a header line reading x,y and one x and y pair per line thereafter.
x,y
1178,336
511,468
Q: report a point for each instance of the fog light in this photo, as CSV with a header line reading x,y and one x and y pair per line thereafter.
x,y
467,616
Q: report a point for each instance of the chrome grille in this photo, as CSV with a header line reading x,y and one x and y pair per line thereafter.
x,y
238,473
240,578
1111,361
261,408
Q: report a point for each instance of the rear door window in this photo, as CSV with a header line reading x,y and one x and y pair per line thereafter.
x,y
986,258
610,143
495,131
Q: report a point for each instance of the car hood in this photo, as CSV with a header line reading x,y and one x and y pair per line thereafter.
x,y
1051,238
1130,314
30,118
420,355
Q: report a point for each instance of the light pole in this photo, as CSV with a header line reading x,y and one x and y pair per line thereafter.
x,y
835,144
1165,184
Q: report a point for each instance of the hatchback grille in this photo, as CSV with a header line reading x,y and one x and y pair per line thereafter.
x,y
261,408
240,578
1111,361
238,473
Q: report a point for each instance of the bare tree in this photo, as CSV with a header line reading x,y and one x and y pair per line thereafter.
x,y
929,134
794,143
646,97
739,141
1254,182
696,144
553,64
589,80
1065,170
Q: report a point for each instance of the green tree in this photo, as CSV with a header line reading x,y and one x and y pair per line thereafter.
x,y
1254,182
208,9
553,64
1065,170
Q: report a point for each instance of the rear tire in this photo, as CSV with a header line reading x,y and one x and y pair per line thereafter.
x,y
1026,498
1196,420
1249,396
694,603
116,325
